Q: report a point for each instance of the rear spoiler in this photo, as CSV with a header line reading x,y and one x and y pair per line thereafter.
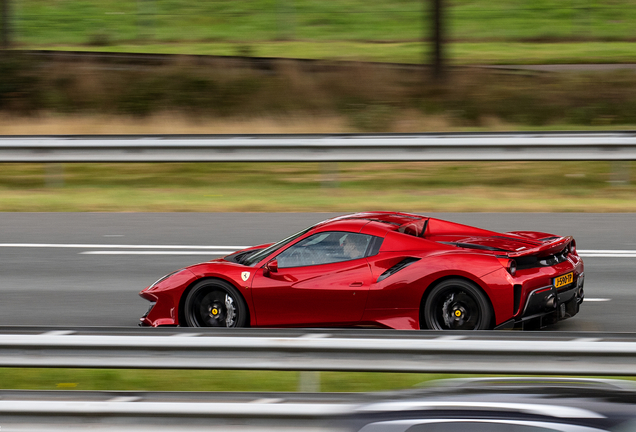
x,y
548,248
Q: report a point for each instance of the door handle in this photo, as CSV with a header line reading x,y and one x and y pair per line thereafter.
x,y
356,284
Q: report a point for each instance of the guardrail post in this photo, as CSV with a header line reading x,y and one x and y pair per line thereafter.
x,y
54,175
329,176
620,172
309,382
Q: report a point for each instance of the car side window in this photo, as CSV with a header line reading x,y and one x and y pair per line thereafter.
x,y
326,247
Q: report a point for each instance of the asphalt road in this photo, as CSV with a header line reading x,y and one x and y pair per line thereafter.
x,y
85,269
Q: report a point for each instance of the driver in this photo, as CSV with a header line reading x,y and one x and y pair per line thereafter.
x,y
353,247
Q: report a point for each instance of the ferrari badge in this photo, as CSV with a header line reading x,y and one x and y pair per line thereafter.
x,y
245,276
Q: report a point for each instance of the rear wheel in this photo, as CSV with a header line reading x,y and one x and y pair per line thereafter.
x,y
215,303
457,304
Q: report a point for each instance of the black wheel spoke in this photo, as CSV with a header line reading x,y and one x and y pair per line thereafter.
x,y
214,305
456,305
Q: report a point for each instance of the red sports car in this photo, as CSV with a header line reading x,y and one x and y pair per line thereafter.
x,y
384,269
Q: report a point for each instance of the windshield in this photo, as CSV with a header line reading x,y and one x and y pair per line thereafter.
x,y
257,257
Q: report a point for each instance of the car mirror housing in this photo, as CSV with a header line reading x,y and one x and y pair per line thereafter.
x,y
271,267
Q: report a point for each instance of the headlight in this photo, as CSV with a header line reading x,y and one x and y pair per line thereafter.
x,y
162,279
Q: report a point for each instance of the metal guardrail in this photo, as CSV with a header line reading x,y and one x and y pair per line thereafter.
x,y
175,411
509,352
528,146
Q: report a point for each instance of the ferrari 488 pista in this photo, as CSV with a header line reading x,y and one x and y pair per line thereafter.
x,y
383,269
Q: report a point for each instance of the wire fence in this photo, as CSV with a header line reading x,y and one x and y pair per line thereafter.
x,y
96,22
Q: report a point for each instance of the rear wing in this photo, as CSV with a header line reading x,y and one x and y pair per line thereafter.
x,y
549,248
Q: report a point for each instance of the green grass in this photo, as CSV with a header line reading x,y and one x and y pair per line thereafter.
x,y
207,380
77,21
202,380
417,186
481,31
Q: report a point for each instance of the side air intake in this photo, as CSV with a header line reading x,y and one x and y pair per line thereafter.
x,y
397,267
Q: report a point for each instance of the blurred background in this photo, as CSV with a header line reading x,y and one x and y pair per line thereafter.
x,y
81,67
306,66
331,66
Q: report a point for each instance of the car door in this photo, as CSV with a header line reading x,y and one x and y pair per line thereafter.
x,y
319,280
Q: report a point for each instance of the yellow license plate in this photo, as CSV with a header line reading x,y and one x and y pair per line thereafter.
x,y
564,280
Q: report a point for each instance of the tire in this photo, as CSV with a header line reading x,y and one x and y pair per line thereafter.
x,y
457,304
214,303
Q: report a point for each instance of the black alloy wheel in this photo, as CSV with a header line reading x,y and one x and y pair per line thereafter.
x,y
457,304
214,303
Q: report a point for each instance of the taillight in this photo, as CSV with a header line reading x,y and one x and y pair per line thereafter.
x,y
509,264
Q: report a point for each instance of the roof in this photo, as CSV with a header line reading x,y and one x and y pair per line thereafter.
x,y
380,221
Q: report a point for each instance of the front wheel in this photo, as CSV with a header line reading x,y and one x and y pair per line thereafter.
x,y
457,304
215,303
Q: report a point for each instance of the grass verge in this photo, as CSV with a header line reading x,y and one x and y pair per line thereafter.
x,y
343,187
202,380
207,380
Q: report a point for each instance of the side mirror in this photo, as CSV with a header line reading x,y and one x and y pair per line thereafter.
x,y
271,267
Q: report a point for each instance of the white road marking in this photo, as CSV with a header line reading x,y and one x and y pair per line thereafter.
x,y
224,250
585,300
208,253
127,249
607,253
582,252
